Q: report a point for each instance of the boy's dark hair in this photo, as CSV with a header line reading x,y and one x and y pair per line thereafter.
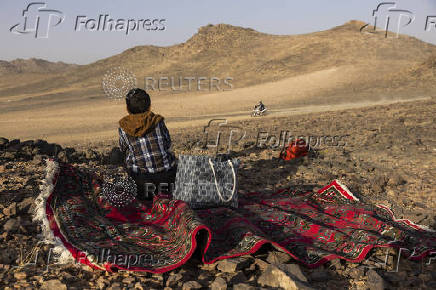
x,y
137,101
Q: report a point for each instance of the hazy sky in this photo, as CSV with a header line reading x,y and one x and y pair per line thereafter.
x,y
182,20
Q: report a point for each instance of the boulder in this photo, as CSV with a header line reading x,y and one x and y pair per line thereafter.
x,y
233,265
20,275
53,285
243,286
28,143
14,145
238,278
218,284
173,279
191,285
77,156
320,275
274,277
276,257
14,142
3,142
12,225
129,280
27,150
47,148
8,257
396,179
293,270
396,276
39,143
25,204
91,154
261,264
69,153
116,157
63,157
11,210
38,160
115,286
375,281
10,155
356,272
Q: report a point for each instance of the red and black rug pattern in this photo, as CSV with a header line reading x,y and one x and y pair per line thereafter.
x,y
312,227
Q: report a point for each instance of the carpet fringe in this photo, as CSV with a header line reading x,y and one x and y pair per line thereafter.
x,y
344,187
62,255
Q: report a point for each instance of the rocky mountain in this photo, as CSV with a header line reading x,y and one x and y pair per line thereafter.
x,y
32,66
248,56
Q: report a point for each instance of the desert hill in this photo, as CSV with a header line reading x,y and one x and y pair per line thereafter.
x,y
32,65
248,56
338,66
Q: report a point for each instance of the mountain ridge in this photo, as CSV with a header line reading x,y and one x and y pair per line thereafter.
x,y
248,56
33,65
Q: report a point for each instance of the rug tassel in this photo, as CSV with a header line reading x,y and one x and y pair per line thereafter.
x,y
62,255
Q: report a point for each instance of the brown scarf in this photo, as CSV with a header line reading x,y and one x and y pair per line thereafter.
x,y
138,125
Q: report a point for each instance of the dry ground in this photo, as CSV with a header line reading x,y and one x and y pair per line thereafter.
x,y
389,157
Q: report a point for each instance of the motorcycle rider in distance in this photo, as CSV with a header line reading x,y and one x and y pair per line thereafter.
x,y
260,106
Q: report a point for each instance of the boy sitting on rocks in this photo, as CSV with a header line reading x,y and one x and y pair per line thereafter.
x,y
146,144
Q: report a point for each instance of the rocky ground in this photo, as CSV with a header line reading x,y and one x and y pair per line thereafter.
x,y
384,154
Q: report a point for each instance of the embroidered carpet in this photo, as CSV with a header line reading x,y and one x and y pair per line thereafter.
x,y
311,227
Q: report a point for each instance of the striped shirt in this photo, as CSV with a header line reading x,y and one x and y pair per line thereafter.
x,y
150,153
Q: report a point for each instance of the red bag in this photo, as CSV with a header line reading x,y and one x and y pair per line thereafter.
x,y
296,149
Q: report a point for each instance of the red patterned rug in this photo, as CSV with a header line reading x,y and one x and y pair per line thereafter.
x,y
311,227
